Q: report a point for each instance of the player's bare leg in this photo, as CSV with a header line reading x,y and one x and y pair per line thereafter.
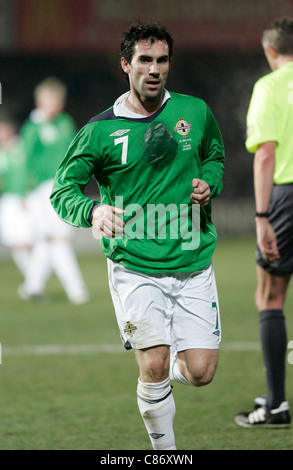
x,y
198,366
65,265
153,363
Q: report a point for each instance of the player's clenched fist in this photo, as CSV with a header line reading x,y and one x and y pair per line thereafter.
x,y
107,222
201,192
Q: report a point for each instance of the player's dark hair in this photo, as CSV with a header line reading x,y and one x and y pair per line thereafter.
x,y
144,32
279,35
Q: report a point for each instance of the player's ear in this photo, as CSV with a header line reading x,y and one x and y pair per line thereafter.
x,y
125,65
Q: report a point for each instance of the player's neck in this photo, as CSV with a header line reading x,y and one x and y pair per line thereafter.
x,y
145,107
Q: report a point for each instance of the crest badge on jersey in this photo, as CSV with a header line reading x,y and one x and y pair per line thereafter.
x,y
129,329
182,127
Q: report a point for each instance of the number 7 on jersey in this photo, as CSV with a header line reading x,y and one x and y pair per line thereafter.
x,y
124,141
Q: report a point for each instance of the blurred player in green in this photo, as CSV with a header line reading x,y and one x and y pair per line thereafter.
x,y
15,229
270,137
46,135
158,158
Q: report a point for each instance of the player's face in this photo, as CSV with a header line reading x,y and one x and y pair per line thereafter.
x,y
7,133
50,102
148,70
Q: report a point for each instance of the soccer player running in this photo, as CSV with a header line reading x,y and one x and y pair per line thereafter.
x,y
270,124
153,153
46,136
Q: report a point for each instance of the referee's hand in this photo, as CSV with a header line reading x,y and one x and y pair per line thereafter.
x,y
266,239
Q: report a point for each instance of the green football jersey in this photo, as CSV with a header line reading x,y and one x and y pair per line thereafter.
x,y
270,119
12,169
46,142
146,166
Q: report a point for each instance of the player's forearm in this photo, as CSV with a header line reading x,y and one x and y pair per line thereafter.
x,y
212,173
71,205
71,179
67,196
213,156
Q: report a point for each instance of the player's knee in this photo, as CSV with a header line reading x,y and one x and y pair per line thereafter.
x,y
158,370
200,376
203,379
154,369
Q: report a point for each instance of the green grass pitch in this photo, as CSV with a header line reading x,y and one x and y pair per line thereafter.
x,y
66,382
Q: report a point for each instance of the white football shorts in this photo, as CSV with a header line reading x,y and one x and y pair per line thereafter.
x,y
178,309
45,220
15,227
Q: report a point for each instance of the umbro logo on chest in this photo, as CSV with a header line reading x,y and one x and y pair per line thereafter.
x,y
119,133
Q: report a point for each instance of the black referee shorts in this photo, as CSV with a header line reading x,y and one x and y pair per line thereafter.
x,y
281,219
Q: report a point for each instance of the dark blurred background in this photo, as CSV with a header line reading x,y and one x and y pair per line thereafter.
x,y
217,57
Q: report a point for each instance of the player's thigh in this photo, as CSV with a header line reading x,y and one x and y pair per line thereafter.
x,y
15,229
196,318
142,310
46,222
